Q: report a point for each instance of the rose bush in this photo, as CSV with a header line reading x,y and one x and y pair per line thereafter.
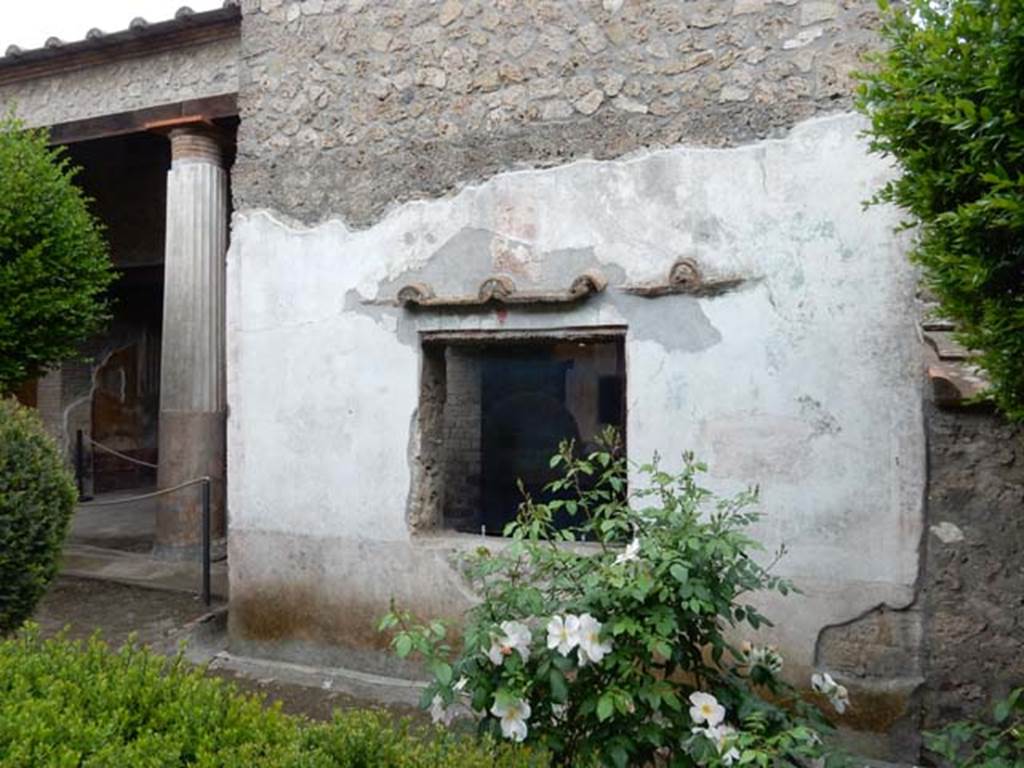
x,y
605,641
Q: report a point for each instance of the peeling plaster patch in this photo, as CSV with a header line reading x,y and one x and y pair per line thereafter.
x,y
883,642
878,656
690,330
463,261
472,254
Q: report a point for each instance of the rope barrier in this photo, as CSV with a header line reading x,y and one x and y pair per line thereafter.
x,y
120,455
154,494
205,483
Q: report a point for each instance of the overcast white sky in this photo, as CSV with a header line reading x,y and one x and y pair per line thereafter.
x,y
27,23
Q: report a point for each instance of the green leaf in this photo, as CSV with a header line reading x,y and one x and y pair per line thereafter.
x,y
671,700
623,702
662,649
443,673
680,573
563,663
620,757
605,706
559,691
403,645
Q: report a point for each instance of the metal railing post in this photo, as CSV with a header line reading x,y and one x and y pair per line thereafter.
x,y
80,465
206,540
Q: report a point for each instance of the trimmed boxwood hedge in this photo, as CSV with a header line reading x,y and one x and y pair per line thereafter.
x,y
945,103
37,497
66,703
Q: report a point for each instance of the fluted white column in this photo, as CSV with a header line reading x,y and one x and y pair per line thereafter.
x,y
192,405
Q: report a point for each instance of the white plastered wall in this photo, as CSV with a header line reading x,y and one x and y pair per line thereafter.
x,y
805,380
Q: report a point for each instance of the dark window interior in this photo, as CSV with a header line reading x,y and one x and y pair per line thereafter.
x,y
507,407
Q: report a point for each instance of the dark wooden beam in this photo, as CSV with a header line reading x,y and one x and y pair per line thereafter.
x,y
210,108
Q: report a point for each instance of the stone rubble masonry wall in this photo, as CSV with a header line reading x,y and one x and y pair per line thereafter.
x,y
350,106
973,585
192,72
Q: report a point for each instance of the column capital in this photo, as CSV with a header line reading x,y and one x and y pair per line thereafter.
x,y
196,145
193,139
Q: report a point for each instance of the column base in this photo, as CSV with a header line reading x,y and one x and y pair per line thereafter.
x,y
192,445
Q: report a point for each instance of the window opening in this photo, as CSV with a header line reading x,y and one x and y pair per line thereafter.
x,y
507,404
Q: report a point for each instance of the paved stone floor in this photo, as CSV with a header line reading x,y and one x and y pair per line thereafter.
x,y
113,542
142,570
159,619
110,584
164,620
128,526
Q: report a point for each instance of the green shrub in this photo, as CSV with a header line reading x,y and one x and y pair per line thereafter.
x,y
367,739
54,268
607,641
37,497
945,103
71,704
974,744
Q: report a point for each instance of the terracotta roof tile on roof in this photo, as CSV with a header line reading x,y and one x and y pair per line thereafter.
x,y
137,28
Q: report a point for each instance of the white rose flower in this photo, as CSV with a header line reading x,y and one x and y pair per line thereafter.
x,y
822,683
840,699
632,552
720,735
439,713
496,652
513,718
706,709
591,647
723,737
837,694
564,633
514,637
